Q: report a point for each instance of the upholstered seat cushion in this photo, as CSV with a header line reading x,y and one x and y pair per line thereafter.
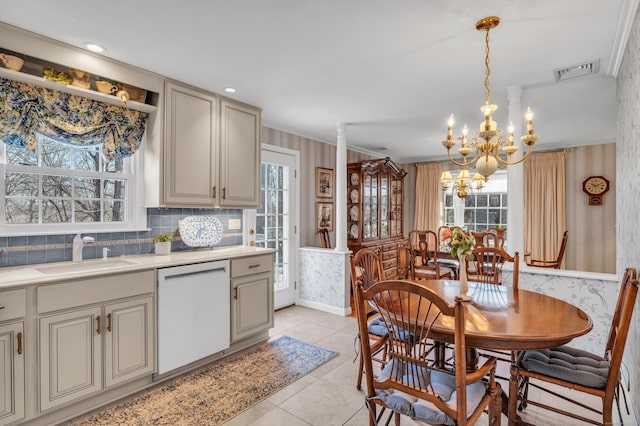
x,y
419,409
569,364
376,327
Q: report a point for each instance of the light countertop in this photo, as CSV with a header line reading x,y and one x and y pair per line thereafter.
x,y
17,276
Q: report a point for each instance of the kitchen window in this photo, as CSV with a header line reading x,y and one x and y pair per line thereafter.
x,y
68,162
59,186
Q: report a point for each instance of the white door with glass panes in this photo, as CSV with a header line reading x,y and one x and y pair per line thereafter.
x,y
274,225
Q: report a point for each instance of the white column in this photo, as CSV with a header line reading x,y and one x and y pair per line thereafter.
x,y
341,189
515,176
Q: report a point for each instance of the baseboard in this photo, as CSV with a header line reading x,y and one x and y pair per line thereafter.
x,y
324,308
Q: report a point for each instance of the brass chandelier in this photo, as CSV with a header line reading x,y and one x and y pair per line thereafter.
x,y
488,140
463,184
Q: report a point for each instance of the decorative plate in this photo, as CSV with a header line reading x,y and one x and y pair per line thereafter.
x,y
354,178
354,195
353,232
200,231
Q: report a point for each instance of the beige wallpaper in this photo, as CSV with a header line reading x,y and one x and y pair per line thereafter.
x,y
592,229
320,154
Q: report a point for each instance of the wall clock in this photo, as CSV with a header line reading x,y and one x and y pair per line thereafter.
x,y
595,187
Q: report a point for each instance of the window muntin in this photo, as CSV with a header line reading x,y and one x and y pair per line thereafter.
x,y
478,212
65,185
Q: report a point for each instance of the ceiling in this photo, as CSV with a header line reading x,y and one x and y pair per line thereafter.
x,y
392,70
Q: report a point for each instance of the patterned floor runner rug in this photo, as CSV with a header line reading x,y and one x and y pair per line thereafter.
x,y
215,393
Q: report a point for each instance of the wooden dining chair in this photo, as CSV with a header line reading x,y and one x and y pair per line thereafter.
x,y
484,239
411,385
366,270
555,264
424,257
488,263
500,238
576,369
325,239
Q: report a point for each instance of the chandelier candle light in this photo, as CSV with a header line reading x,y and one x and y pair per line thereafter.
x,y
463,185
488,139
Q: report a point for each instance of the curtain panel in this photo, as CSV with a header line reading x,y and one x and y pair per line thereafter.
x,y
544,204
428,197
26,109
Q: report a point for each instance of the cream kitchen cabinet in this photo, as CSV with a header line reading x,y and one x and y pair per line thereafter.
x,y
211,150
100,334
12,374
251,296
12,356
240,155
190,147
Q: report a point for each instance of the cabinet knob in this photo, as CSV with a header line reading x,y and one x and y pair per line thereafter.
x,y
19,337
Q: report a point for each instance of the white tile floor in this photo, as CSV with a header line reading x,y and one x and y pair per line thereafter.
x,y
327,396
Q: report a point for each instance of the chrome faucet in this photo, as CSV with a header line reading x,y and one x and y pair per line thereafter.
x,y
78,243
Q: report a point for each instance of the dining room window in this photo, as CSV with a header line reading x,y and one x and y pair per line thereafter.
x,y
480,211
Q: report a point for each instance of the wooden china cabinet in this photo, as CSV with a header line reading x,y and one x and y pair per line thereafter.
x,y
375,213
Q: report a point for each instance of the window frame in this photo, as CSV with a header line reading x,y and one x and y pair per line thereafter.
x,y
497,185
135,213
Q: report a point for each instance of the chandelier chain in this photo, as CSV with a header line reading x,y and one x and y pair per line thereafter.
x,y
487,69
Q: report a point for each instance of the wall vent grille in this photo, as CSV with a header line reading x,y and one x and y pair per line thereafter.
x,y
574,71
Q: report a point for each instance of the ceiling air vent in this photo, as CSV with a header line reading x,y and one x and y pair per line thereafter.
x,y
382,148
577,70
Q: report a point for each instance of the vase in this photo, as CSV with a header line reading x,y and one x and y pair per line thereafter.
x,y
462,278
163,247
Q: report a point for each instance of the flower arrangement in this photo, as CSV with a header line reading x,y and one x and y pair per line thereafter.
x,y
163,237
461,243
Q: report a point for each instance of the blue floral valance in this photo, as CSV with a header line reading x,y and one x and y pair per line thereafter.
x,y
26,109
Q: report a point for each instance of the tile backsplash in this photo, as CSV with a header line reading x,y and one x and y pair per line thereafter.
x,y
26,249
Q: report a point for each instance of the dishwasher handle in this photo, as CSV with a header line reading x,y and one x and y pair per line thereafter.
x,y
186,274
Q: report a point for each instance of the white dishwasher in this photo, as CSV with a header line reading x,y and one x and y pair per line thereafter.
x,y
193,313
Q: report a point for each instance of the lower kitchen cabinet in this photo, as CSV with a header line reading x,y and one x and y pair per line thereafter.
x,y
70,356
251,296
77,346
12,379
128,340
252,305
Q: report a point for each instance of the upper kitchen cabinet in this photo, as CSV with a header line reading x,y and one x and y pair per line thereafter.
x,y
240,155
190,147
211,150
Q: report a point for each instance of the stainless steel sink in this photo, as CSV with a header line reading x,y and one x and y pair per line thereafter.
x,y
86,266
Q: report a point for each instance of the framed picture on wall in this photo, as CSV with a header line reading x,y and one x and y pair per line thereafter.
x,y
324,215
324,182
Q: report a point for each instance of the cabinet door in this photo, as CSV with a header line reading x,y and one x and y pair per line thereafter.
x,y
251,305
11,373
190,153
240,155
128,340
70,356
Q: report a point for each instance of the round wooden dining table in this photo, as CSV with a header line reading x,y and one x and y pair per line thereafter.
x,y
501,317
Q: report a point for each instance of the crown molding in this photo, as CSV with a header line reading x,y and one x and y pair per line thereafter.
x,y
626,17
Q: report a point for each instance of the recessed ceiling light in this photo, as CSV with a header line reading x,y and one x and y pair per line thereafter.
x,y
230,90
94,47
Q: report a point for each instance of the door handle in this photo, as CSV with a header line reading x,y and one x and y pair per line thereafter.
x,y
98,324
235,293
224,193
19,336
109,322
214,191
